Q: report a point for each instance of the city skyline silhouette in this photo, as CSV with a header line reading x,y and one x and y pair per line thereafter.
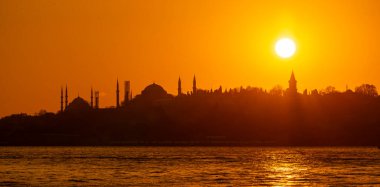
x,y
93,99
249,116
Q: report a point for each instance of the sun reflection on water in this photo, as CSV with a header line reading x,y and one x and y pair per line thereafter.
x,y
286,168
189,166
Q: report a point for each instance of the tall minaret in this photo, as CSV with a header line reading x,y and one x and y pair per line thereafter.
x,y
194,85
292,84
179,87
97,99
92,98
66,98
61,99
117,94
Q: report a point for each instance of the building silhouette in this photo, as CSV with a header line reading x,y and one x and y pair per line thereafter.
x,y
92,98
78,105
179,86
152,92
117,94
292,90
96,99
194,85
127,92
61,99
66,98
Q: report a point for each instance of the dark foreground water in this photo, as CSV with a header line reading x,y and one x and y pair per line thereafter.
x,y
188,166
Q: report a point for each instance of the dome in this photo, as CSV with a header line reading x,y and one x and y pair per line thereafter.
x,y
78,104
154,90
152,93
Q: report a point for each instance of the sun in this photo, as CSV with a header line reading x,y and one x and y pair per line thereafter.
x,y
285,48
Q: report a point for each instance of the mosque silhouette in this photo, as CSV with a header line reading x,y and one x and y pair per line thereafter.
x,y
150,94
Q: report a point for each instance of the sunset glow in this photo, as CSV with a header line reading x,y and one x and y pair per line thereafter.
x,y
189,93
46,45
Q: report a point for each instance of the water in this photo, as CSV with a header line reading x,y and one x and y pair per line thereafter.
x,y
188,166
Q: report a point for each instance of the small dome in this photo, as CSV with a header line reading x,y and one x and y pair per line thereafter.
x,y
78,104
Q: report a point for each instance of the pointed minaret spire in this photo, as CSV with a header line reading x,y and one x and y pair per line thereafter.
x,y
92,98
292,77
66,98
61,99
194,85
292,84
179,87
117,93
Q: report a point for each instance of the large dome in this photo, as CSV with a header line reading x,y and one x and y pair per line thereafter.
x,y
154,89
152,93
78,104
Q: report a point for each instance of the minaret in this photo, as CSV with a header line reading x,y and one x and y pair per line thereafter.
x,y
92,98
194,85
179,87
61,99
292,84
117,94
97,99
66,98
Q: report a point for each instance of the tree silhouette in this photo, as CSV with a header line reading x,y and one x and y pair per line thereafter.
x,y
366,89
328,90
277,90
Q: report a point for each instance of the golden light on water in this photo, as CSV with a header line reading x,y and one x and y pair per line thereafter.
x,y
285,48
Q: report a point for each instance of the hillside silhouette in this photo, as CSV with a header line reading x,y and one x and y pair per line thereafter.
x,y
243,116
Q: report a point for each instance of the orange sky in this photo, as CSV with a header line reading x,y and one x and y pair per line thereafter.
x,y
45,44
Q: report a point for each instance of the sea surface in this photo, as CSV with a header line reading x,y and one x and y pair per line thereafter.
x,y
189,166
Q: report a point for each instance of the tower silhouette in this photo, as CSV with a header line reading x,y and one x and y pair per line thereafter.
x,y
92,98
179,86
292,84
127,91
61,99
117,94
194,85
96,99
66,98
